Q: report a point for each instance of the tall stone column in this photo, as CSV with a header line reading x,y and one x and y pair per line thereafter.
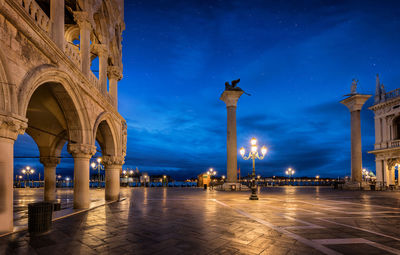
x,y
81,154
9,130
82,19
114,75
49,164
102,52
231,97
113,168
355,102
57,21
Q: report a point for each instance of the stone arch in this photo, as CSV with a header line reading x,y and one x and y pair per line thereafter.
x,y
72,33
67,97
105,133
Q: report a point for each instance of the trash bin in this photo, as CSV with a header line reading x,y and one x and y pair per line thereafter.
x,y
39,217
56,206
205,186
372,186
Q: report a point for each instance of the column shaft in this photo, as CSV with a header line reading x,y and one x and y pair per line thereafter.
x,y
50,182
57,19
103,72
231,145
356,152
81,182
112,182
6,184
113,83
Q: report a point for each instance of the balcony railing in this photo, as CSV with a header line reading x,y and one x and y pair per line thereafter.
x,y
37,14
73,53
395,143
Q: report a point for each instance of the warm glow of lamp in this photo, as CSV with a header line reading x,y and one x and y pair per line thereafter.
x,y
93,165
264,150
98,160
254,148
287,172
242,151
253,141
28,167
124,172
32,171
131,172
23,171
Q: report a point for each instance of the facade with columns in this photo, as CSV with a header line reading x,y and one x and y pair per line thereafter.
x,y
387,134
49,91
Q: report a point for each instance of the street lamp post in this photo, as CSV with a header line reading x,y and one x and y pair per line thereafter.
x,y
253,154
98,167
211,172
290,172
28,171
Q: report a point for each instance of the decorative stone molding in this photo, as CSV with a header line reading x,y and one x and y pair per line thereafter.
x,y
113,160
81,150
50,161
11,127
82,19
114,73
100,49
231,97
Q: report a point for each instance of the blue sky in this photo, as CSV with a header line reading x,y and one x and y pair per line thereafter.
x,y
296,59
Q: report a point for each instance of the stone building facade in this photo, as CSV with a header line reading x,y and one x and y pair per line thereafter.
x,y
387,134
49,91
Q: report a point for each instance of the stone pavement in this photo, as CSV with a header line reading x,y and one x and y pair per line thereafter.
x,y
286,220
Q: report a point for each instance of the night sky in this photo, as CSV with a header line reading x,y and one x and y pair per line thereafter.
x,y
296,58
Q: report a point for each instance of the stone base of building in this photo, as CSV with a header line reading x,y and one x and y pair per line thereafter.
x,y
233,187
357,186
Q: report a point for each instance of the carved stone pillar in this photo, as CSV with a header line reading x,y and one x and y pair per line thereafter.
x,y
113,168
81,154
114,75
102,52
10,128
49,164
82,19
57,21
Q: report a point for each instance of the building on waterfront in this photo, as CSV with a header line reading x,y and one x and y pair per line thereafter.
x,y
49,91
387,134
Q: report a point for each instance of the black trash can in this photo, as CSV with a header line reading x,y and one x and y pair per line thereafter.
x,y
372,186
39,217
57,206
205,186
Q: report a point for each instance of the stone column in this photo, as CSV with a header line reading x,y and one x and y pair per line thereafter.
x,y
9,130
102,52
81,154
82,19
57,21
49,164
355,102
231,97
113,168
114,75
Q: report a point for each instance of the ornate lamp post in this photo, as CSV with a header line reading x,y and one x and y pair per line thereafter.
x,y
290,172
98,167
253,154
28,171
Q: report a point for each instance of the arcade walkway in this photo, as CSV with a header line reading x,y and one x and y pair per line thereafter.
x,y
286,220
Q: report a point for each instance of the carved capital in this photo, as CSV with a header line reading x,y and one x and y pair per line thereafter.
x,y
82,19
100,49
231,97
113,160
49,161
81,150
11,127
114,73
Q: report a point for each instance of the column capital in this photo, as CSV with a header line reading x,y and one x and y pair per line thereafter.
x,y
50,161
355,102
113,160
231,97
11,127
114,73
81,150
101,49
82,19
